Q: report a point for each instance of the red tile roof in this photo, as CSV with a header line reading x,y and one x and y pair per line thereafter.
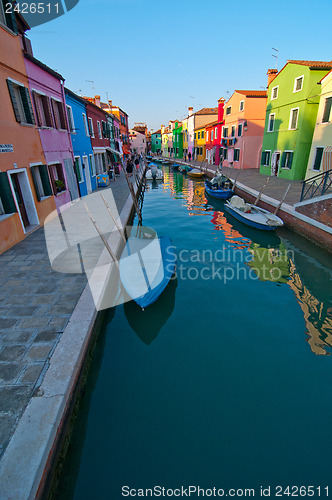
x,y
313,64
211,124
252,93
207,111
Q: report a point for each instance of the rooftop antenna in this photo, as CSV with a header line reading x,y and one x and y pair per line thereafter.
x,y
193,98
93,83
276,56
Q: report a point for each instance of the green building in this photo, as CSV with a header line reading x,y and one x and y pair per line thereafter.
x,y
178,140
292,105
156,142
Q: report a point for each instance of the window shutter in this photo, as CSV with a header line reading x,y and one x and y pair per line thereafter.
x,y
10,17
327,110
55,113
26,101
14,101
37,108
35,183
283,160
50,170
290,160
48,111
45,180
263,161
62,113
6,194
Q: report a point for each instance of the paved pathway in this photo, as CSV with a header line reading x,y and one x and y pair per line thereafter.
x,y
36,304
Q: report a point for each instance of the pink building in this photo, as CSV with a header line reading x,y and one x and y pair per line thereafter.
x,y
47,90
243,129
213,136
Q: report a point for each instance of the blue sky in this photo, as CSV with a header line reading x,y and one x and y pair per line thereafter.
x,y
154,59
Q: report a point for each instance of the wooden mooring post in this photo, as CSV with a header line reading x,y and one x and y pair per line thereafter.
x,y
261,191
283,198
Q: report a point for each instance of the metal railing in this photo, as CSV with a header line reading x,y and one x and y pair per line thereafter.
x,y
317,186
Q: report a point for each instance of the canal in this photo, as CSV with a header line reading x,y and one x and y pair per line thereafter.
x,y
224,382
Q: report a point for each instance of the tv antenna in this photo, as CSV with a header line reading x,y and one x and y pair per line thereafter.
x,y
93,84
275,55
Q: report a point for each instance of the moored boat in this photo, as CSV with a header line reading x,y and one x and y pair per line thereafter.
x,y
219,187
195,172
251,215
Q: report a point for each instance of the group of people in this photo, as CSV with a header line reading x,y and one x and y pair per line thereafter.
x,y
132,161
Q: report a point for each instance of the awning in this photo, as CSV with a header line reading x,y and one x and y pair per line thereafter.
x,y
327,159
114,151
99,150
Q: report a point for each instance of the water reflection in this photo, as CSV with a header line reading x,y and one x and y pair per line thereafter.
x,y
148,323
273,259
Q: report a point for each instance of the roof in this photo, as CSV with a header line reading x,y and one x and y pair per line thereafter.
x,y
77,97
158,132
211,124
252,93
207,111
43,66
313,64
325,76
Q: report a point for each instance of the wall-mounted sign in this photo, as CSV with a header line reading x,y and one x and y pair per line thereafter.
x,y
6,148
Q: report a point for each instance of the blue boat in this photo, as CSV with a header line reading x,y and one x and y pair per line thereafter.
x,y
146,266
222,193
251,215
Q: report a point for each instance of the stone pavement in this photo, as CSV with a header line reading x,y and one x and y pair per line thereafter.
x,y
36,304
320,211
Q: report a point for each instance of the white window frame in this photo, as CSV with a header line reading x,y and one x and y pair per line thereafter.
x,y
273,88
233,129
297,78
85,121
230,110
207,136
240,125
241,107
80,168
70,119
268,123
223,133
91,126
267,151
216,133
39,181
314,159
99,130
291,118
212,134
287,151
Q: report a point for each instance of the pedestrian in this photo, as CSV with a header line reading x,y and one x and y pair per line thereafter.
x,y
129,167
189,156
185,156
137,163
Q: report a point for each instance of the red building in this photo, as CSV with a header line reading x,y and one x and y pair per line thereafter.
x,y
96,126
213,133
124,126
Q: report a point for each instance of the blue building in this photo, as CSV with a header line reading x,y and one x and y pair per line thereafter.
x,y
81,133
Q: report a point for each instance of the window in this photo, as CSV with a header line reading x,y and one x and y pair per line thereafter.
x,y
225,153
294,114
70,119
327,110
207,136
41,181
91,131
93,166
195,135
198,135
201,151
202,134
6,196
85,124
241,105
270,126
274,92
78,168
8,19
236,155
105,129
228,110
21,102
59,114
225,132
287,159
233,131
212,132
266,155
43,110
99,130
240,130
216,133
57,177
298,84
318,159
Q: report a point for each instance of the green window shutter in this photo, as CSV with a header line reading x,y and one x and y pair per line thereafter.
x,y
26,101
45,180
35,183
10,17
263,158
14,101
290,159
6,194
283,160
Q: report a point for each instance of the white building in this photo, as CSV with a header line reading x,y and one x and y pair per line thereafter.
x,y
137,141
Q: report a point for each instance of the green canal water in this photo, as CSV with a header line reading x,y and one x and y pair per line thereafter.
x,y
224,382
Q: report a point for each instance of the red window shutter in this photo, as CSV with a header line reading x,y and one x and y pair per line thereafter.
x,y
62,114
47,111
51,173
55,113
36,100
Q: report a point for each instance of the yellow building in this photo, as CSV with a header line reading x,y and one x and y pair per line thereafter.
x,y
185,138
199,144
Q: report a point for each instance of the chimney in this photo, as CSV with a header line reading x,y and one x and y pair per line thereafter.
x,y
97,100
271,74
110,104
221,104
190,111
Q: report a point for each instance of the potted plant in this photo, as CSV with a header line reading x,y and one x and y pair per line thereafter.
x,y
60,185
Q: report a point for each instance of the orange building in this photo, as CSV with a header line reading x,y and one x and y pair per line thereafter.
x,y
242,133
23,171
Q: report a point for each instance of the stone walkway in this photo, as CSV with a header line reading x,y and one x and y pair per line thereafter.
x,y
36,304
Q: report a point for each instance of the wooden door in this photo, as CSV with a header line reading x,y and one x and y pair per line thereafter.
x,y
20,200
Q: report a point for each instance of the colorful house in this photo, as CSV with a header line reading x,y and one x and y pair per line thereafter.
x,y
156,142
115,132
196,121
199,144
185,137
137,141
320,158
83,153
243,129
164,140
292,105
26,196
124,127
177,139
213,132
47,89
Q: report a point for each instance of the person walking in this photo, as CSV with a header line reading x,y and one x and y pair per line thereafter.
x,y
129,167
189,156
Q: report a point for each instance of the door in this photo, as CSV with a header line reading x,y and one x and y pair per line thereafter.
x,y
275,163
87,173
20,200
71,179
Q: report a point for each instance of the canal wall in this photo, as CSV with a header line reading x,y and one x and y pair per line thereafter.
x,y
33,449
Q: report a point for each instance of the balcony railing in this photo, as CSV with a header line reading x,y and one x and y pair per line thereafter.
x,y
317,186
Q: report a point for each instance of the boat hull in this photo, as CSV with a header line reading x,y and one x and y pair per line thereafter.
x,y
220,194
245,218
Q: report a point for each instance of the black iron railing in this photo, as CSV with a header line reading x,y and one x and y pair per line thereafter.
x,y
317,186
